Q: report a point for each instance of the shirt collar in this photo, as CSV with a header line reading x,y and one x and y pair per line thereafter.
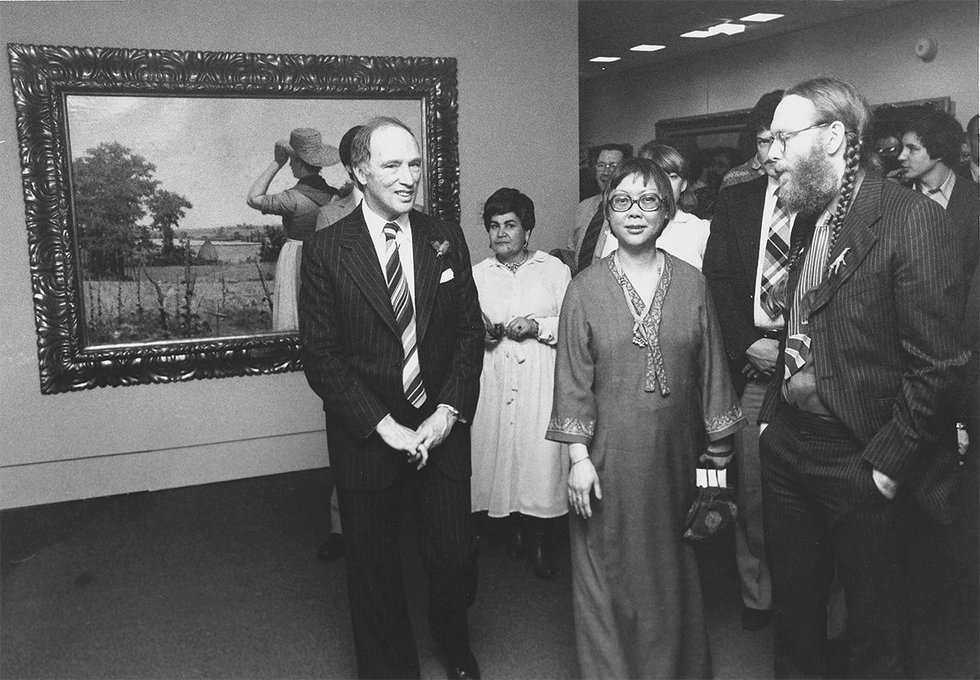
x,y
376,223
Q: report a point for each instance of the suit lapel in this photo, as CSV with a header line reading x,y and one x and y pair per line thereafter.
x,y
427,269
362,264
854,241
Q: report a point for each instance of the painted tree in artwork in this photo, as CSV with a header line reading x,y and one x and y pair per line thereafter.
x,y
112,185
167,209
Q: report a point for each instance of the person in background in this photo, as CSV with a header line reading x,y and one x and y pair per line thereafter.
x,y
517,473
391,339
685,235
745,265
930,149
858,414
711,166
759,119
641,381
973,139
306,154
349,195
348,198
580,250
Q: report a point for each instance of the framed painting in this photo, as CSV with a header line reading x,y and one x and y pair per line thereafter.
x,y
147,264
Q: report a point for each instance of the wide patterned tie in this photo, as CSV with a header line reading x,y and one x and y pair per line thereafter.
x,y
401,303
774,261
591,238
797,351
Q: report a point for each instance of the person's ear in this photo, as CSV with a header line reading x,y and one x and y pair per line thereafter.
x,y
360,174
836,138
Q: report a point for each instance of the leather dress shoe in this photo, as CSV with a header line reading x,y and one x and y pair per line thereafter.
x,y
755,619
332,548
543,561
462,666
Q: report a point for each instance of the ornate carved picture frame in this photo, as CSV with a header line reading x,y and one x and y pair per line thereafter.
x,y
53,86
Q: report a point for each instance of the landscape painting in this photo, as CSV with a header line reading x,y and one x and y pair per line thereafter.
x,y
146,260
167,246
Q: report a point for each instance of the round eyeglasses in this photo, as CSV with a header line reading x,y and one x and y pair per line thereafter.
x,y
647,202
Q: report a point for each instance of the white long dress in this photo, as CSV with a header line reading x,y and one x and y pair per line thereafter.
x,y
515,469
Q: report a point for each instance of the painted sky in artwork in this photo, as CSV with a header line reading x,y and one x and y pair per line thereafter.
x,y
210,150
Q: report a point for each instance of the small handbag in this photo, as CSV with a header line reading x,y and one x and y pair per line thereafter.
x,y
714,507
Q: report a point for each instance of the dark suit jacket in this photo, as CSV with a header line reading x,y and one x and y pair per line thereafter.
x,y
964,217
885,341
352,351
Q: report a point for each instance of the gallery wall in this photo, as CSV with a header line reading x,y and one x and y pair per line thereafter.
x,y
518,127
873,51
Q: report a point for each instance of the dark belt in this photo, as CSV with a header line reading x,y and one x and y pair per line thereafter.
x,y
774,334
819,424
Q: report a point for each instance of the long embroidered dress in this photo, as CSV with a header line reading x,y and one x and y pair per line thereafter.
x,y
642,399
515,469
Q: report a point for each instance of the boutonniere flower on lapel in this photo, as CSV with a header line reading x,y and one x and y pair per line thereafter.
x,y
441,247
837,263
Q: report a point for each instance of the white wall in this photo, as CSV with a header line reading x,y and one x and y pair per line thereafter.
x,y
518,127
873,51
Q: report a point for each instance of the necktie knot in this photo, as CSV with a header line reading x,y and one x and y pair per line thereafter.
x,y
391,230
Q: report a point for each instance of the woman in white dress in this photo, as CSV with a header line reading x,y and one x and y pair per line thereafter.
x,y
517,473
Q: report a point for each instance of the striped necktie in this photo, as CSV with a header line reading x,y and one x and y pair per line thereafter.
x,y
401,303
797,351
774,260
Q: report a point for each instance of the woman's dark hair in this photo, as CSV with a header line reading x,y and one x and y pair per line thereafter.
x,y
647,170
504,201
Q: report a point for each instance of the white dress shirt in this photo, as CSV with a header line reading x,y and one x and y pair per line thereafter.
x,y
376,224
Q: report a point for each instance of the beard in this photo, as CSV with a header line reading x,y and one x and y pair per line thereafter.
x,y
810,184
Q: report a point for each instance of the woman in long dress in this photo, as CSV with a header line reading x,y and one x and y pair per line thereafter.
x,y
641,381
517,473
306,154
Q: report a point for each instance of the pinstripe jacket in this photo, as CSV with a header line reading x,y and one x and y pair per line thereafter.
x,y
885,342
352,351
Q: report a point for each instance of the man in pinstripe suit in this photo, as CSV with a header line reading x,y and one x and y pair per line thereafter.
x,y
392,339
859,418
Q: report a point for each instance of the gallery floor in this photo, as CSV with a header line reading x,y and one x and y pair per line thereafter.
x,y
222,581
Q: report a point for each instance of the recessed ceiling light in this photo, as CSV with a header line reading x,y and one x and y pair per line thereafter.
x,y
761,16
604,60
728,28
647,48
697,34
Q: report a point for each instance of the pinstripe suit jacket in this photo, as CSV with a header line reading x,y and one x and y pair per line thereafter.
x,y
352,351
885,341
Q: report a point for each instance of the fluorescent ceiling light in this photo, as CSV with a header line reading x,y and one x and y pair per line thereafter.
x,y
647,48
604,60
718,29
728,29
761,16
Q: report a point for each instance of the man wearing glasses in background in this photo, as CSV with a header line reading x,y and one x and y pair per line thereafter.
x,y
744,263
589,219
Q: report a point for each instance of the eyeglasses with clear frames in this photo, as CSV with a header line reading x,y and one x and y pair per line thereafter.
x,y
611,167
647,202
781,138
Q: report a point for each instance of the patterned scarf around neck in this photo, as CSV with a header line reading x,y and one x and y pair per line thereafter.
x,y
646,323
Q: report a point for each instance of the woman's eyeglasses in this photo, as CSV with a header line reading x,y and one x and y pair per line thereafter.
x,y
647,202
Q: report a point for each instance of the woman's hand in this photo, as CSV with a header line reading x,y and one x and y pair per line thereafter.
x,y
522,327
281,152
582,479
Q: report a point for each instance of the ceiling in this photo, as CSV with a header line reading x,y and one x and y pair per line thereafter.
x,y
612,27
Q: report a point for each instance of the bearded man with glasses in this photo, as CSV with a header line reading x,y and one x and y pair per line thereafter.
x,y
856,422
